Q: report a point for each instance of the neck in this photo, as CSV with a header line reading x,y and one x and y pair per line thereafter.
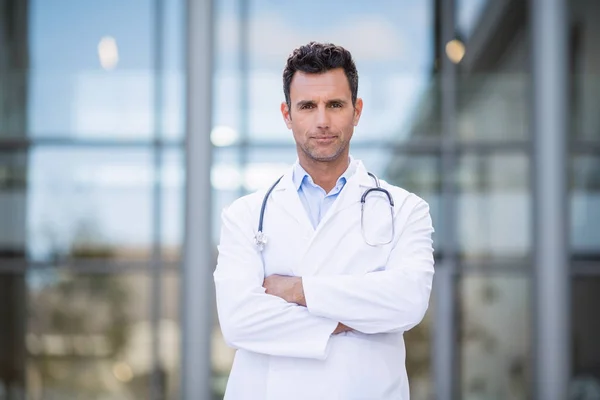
x,y
325,173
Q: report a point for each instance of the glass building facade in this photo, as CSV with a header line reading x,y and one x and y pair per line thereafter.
x,y
107,142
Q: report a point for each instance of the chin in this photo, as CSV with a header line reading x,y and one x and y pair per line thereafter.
x,y
324,157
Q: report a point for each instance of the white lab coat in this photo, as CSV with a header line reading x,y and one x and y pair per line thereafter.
x,y
286,351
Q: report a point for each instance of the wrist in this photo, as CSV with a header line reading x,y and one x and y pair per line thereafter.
x,y
299,292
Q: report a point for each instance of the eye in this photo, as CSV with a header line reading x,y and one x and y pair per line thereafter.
x,y
306,106
336,105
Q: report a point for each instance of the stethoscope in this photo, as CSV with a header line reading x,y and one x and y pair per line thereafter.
x,y
261,239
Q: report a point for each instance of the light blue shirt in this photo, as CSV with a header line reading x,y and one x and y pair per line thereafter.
x,y
313,197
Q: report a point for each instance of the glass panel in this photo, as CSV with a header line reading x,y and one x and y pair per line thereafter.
x,y
221,360
420,174
494,207
173,68
468,16
494,337
493,107
493,83
418,358
395,72
585,97
173,203
101,82
227,183
586,331
170,333
585,207
88,335
227,179
583,63
265,165
86,202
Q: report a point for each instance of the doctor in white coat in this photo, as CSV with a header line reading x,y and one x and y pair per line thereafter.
x,y
318,309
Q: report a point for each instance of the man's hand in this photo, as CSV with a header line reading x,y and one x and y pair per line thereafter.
x,y
288,288
341,328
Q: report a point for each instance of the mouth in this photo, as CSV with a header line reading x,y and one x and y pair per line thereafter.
x,y
324,138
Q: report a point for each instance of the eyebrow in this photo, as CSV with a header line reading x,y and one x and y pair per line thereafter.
x,y
308,102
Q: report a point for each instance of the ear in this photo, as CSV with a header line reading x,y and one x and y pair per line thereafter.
x,y
287,117
357,111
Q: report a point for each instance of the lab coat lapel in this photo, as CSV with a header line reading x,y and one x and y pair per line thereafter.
x,y
316,254
351,193
286,197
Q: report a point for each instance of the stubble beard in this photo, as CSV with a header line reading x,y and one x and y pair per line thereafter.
x,y
312,154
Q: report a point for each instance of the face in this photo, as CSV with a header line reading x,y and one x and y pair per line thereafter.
x,y
321,115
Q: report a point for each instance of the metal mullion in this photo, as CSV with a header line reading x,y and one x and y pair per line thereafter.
x,y
551,283
446,373
197,289
156,386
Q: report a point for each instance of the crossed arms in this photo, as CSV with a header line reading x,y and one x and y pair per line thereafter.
x,y
295,317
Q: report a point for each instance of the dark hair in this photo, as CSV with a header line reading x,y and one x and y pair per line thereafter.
x,y
316,58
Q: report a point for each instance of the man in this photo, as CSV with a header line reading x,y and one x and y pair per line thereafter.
x,y
318,310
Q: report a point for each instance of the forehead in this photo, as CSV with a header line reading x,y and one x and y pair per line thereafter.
x,y
332,83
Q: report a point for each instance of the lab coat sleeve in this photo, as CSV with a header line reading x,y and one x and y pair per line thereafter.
x,y
394,298
250,319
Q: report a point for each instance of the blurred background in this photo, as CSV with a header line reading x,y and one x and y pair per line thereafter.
x,y
94,181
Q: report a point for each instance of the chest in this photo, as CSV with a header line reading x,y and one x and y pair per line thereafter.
x,y
338,245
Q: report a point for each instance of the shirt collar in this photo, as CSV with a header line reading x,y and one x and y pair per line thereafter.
x,y
300,174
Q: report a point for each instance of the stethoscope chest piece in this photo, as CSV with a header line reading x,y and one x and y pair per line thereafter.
x,y
261,240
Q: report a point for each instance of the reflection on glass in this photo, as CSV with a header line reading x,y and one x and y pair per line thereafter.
x,y
493,107
585,382
494,214
71,92
493,82
87,335
585,207
89,203
101,83
392,43
494,337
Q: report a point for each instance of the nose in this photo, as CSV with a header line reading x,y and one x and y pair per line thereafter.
x,y
322,118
